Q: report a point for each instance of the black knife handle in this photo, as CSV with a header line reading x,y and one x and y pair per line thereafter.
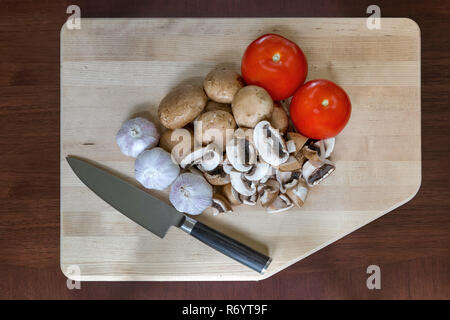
x,y
229,247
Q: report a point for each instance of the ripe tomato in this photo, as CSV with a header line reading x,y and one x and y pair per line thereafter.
x,y
320,109
276,64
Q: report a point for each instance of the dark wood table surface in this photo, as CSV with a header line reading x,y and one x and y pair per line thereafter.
x,y
410,244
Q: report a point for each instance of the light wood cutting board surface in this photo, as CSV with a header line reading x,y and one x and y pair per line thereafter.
x,y
113,69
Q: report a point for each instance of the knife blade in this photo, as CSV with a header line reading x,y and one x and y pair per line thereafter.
x,y
157,216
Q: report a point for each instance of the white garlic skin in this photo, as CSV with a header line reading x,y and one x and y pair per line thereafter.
x,y
136,135
154,169
191,194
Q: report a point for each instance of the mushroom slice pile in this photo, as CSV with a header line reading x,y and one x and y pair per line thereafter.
x,y
315,171
280,204
269,144
241,185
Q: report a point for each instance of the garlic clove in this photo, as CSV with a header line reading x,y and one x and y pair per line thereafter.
x,y
154,169
136,135
191,194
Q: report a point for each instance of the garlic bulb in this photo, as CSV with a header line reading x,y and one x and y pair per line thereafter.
x,y
136,135
154,169
191,193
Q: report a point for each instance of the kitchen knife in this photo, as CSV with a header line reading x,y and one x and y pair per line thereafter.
x,y
157,216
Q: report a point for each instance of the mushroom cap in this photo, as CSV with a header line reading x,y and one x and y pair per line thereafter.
x,y
213,105
216,124
279,118
182,105
250,105
222,84
179,142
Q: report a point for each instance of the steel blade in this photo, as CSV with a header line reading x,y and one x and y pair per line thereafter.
x,y
138,205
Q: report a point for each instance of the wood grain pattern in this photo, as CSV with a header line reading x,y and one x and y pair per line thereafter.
x,y
410,244
113,69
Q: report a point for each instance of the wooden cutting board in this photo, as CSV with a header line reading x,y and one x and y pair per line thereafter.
x,y
113,69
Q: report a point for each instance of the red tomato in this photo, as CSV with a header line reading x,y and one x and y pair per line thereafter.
x,y
320,109
276,64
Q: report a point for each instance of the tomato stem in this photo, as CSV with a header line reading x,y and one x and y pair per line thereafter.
x,y
276,57
325,102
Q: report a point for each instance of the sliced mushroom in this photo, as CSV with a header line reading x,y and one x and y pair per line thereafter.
x,y
290,165
251,200
207,158
227,167
220,204
287,180
298,193
211,160
217,177
270,145
270,173
259,171
241,185
244,133
315,171
291,147
268,192
280,204
326,147
231,194
298,139
241,154
311,151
